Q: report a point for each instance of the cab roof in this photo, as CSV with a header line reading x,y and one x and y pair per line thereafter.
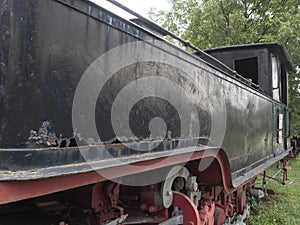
x,y
273,47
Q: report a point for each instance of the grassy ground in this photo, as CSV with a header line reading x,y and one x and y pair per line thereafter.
x,y
284,207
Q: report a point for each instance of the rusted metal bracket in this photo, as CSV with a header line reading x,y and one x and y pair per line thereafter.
x,y
207,213
285,167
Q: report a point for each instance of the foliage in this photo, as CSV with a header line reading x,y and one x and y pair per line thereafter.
x,y
213,23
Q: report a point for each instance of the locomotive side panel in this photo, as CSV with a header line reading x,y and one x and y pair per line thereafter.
x,y
47,48
52,44
249,130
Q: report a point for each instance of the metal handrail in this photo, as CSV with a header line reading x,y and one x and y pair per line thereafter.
x,y
184,42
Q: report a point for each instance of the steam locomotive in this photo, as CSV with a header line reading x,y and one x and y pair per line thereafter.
x,y
103,117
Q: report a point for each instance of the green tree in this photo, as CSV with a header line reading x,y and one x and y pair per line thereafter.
x,y
213,23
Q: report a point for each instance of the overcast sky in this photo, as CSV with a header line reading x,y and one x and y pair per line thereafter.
x,y
140,6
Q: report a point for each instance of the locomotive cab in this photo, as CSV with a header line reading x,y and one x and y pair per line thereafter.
x,y
266,65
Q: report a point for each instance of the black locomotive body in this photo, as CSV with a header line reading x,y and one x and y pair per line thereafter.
x,y
47,49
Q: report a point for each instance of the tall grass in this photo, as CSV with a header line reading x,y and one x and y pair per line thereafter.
x,y
284,207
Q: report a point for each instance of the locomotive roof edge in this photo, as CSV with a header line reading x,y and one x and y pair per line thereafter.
x,y
204,55
272,46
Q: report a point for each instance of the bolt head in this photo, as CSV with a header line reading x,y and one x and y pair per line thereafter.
x,y
169,193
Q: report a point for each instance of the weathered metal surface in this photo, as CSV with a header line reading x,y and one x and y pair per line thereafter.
x,y
20,185
48,45
26,164
189,210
